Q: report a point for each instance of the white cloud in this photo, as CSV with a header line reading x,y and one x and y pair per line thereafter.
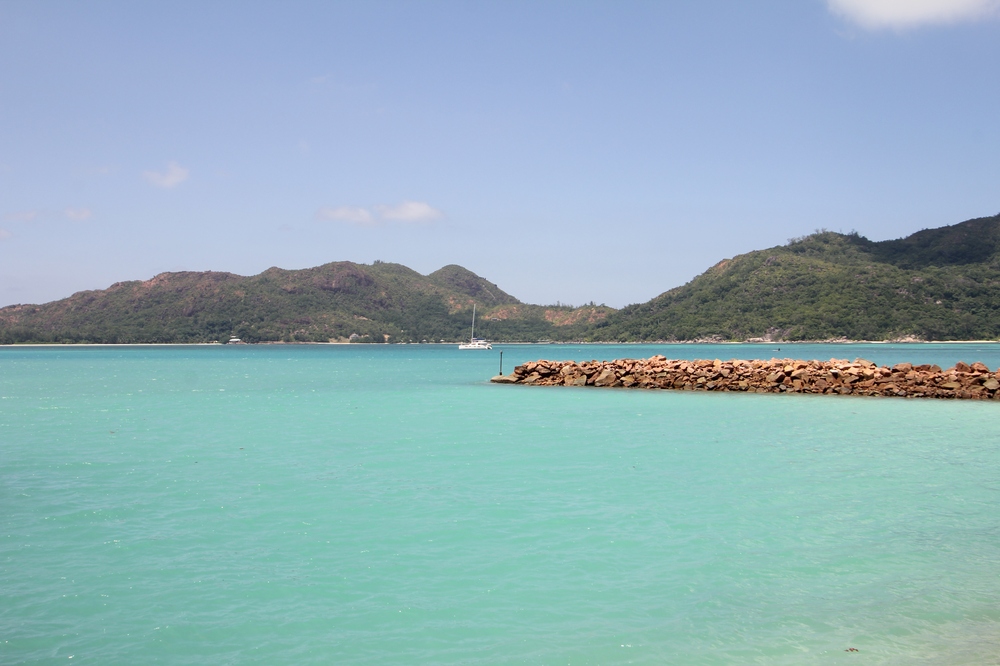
x,y
346,214
4,234
78,214
172,177
22,216
409,211
878,14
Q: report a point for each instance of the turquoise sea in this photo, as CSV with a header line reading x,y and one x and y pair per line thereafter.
x,y
372,504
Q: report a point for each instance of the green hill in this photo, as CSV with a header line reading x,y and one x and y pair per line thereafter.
x,y
373,303
937,284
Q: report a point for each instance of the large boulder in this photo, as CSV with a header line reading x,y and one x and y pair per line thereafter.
x,y
606,378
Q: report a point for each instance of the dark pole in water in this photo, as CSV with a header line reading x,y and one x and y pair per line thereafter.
x,y
501,361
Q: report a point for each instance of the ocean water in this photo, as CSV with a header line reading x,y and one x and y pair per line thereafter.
x,y
387,505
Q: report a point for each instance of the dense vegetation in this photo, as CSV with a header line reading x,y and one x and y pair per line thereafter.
x,y
376,303
937,284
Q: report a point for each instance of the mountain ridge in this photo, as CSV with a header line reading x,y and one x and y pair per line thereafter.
x,y
936,284
336,301
941,284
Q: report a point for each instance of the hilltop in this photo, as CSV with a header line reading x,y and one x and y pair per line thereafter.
x,y
333,302
937,284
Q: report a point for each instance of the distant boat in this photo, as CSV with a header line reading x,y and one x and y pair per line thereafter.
x,y
235,341
474,342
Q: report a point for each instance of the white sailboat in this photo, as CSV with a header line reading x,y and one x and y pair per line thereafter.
x,y
474,342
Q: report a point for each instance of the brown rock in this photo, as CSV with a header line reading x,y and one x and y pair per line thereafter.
x,y
606,378
777,375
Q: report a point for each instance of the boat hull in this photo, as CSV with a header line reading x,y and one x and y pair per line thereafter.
x,y
474,342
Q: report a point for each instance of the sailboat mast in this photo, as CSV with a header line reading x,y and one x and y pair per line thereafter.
x,y
473,337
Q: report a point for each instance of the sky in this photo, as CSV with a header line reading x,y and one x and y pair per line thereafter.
x,y
567,151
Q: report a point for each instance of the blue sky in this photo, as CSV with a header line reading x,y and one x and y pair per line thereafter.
x,y
568,151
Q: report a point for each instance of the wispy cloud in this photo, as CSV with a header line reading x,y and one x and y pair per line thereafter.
x,y
78,214
406,212
347,214
22,216
409,211
173,176
901,14
4,234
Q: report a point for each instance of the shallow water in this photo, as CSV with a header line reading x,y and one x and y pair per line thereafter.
x,y
387,505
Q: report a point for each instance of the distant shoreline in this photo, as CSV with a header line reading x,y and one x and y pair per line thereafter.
x,y
509,344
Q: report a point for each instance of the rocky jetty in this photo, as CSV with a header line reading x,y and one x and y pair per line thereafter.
x,y
842,377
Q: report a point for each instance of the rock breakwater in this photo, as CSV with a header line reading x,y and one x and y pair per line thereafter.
x,y
843,377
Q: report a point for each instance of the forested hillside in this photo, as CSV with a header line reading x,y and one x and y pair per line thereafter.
x,y
373,303
937,284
